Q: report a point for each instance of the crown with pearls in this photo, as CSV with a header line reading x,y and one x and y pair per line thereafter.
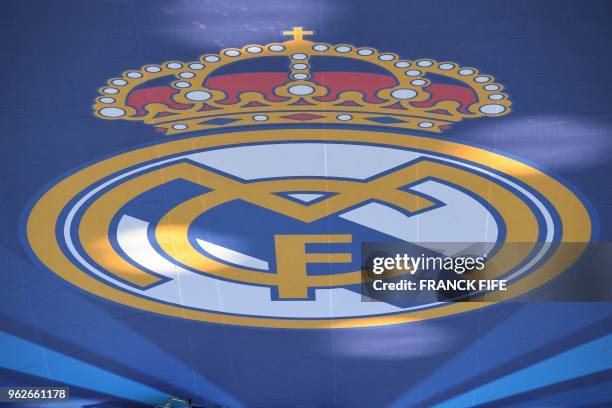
x,y
423,94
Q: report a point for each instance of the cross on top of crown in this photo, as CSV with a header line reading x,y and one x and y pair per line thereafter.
x,y
298,33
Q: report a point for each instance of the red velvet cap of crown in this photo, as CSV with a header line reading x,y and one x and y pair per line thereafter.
x,y
336,82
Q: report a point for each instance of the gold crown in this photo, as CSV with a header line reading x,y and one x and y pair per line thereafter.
x,y
409,97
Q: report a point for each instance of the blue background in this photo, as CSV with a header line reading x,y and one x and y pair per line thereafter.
x,y
554,59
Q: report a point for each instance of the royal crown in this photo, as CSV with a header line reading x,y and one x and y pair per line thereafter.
x,y
410,94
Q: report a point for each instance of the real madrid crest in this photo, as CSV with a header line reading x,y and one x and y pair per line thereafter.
x,y
252,209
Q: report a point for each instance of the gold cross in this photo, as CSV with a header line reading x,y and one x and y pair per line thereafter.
x,y
297,33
